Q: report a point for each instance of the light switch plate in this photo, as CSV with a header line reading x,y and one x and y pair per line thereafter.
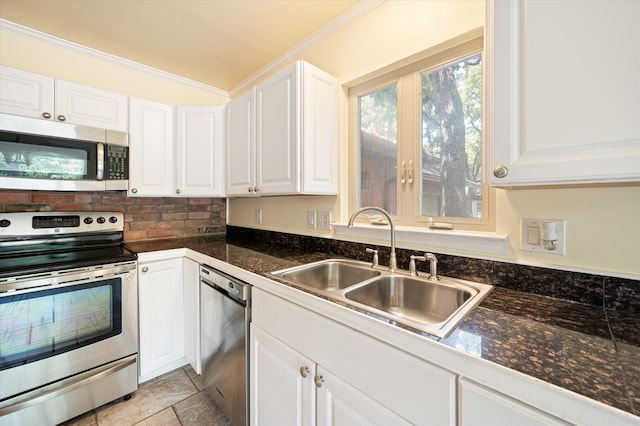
x,y
258,215
530,236
311,219
323,220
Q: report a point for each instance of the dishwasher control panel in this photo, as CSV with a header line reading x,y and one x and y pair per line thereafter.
x,y
235,288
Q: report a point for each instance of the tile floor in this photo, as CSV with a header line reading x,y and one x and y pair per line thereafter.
x,y
176,398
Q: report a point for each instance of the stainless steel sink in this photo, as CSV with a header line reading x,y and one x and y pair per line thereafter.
x,y
329,275
434,307
418,301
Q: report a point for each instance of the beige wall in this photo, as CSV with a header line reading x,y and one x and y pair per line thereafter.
x,y
603,223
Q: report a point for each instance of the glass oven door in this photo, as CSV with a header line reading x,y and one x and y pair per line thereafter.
x,y
66,324
46,323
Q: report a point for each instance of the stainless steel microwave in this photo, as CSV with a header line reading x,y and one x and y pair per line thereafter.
x,y
43,155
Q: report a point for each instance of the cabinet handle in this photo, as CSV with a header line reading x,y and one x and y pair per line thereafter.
x,y
46,115
61,117
145,269
403,172
178,191
134,190
319,380
500,171
304,371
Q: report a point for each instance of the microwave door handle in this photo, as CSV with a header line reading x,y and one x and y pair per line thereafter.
x,y
100,168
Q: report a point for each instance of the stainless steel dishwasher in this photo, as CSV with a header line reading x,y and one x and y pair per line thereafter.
x,y
225,310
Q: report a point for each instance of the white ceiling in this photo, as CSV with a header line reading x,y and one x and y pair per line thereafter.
x,y
216,42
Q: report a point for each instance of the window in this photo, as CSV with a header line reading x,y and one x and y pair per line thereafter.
x,y
416,132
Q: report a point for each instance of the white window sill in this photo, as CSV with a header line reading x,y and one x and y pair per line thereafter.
x,y
450,241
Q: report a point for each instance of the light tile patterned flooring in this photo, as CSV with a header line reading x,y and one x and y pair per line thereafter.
x,y
176,398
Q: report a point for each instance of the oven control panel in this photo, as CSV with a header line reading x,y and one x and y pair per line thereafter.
x,y
48,223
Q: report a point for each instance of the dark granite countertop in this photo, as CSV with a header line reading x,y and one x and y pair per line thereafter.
x,y
571,345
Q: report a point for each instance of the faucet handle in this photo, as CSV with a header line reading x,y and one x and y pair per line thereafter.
x,y
375,256
412,264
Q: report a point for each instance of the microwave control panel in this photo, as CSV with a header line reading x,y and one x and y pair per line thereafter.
x,y
117,163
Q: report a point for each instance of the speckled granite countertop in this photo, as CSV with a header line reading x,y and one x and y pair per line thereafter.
x,y
571,345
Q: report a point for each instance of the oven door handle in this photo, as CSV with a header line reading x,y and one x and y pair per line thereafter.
x,y
57,389
38,283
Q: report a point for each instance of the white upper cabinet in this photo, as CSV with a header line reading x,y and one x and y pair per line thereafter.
x,y
26,93
151,144
282,135
186,163
240,145
34,95
199,151
563,99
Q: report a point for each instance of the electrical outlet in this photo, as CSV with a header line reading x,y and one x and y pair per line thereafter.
x,y
258,215
543,236
323,220
311,219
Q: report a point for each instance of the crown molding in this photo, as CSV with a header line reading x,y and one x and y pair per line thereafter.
x,y
351,15
48,38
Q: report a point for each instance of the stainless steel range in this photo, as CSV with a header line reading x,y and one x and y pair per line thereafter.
x,y
68,315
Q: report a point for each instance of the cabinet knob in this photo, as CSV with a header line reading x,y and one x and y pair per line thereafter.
x,y
251,189
500,171
62,118
145,269
134,190
319,380
304,371
46,115
178,191
256,189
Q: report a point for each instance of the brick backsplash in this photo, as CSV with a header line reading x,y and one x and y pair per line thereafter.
x,y
145,217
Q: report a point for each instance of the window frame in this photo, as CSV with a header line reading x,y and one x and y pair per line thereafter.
x,y
407,75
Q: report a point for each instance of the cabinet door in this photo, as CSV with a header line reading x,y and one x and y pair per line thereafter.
x,y
277,138
151,153
26,93
319,129
563,91
281,383
88,106
161,317
199,151
482,406
240,146
340,404
191,280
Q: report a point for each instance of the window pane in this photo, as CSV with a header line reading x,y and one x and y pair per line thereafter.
x,y
378,148
451,139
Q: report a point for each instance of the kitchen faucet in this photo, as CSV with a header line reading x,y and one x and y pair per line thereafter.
x,y
392,257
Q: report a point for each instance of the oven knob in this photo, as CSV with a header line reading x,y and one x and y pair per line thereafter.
x,y
113,219
88,220
101,219
4,223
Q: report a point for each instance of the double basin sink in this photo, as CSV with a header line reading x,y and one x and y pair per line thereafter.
x,y
434,307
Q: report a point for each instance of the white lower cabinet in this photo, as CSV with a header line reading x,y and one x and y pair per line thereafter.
x,y
161,317
481,406
307,369
282,388
290,389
